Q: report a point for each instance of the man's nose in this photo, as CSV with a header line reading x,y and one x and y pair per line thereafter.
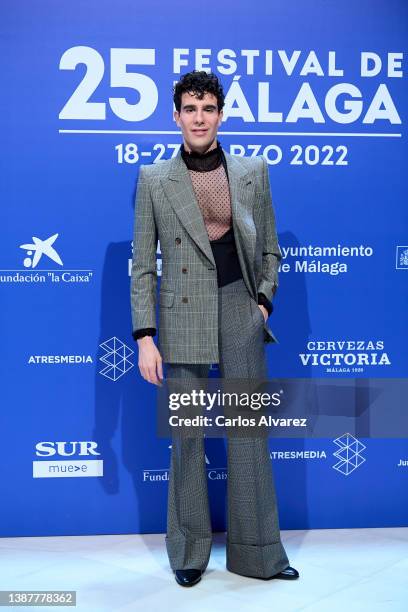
x,y
199,118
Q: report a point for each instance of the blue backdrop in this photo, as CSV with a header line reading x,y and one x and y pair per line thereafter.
x,y
316,86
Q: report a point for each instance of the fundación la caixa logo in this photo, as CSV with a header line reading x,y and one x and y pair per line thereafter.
x,y
54,461
44,252
38,248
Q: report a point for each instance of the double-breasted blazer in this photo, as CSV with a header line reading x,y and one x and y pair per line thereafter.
x,y
166,209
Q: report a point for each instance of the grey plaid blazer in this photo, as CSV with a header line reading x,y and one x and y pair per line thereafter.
x,y
167,210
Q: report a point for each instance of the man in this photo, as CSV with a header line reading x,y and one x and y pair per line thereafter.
x,y
213,216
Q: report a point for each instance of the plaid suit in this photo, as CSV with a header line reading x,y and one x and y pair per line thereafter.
x,y
201,323
166,209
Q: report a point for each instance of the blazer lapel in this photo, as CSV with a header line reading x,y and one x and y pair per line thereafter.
x,y
179,190
242,218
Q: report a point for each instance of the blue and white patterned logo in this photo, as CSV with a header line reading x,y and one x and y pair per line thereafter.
x,y
117,358
402,258
349,454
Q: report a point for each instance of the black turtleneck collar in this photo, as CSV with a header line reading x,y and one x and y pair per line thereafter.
x,y
203,162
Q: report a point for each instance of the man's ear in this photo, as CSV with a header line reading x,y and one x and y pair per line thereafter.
x,y
221,114
176,116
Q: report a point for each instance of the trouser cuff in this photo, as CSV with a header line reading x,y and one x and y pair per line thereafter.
x,y
256,561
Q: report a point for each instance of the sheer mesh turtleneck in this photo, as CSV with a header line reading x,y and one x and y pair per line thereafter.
x,y
208,174
203,162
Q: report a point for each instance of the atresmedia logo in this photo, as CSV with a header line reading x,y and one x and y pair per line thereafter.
x,y
349,454
116,358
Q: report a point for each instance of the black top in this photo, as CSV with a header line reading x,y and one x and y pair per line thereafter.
x,y
224,249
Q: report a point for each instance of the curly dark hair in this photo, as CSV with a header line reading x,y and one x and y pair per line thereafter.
x,y
198,83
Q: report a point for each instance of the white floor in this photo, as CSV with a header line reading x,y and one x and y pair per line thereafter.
x,y
343,570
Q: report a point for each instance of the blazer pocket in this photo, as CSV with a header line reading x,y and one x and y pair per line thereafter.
x,y
166,298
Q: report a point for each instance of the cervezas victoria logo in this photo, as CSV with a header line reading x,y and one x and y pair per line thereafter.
x,y
351,356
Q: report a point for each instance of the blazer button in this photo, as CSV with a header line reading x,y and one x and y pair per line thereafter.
x,y
178,240
184,300
184,270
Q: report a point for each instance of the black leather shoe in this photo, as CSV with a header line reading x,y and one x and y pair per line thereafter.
x,y
188,577
289,573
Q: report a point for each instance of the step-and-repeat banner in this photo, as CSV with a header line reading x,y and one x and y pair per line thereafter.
x,y
319,89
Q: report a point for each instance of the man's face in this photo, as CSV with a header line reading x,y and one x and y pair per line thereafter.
x,y
199,121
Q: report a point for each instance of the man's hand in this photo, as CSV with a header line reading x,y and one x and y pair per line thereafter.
x,y
264,311
150,361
